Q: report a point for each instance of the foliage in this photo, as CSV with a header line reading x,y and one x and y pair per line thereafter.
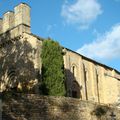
x,y
52,69
6,95
100,110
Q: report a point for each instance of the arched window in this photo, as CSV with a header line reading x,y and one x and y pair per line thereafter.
x,y
11,75
74,70
76,88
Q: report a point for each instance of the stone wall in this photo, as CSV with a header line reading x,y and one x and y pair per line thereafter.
x,y
20,60
12,19
96,82
19,50
35,107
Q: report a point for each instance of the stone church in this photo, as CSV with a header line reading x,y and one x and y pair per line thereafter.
x,y
20,60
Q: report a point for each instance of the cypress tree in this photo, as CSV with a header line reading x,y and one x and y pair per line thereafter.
x,y
52,69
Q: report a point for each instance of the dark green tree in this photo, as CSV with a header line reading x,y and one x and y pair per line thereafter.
x,y
52,69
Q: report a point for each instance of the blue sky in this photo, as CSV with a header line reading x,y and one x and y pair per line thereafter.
x,y
90,27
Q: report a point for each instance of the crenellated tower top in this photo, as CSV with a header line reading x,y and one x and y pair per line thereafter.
x,y
17,19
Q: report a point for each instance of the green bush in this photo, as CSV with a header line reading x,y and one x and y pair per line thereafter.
x,y
52,69
6,95
100,110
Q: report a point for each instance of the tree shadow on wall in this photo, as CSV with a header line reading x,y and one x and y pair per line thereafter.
x,y
16,62
62,108
70,107
73,88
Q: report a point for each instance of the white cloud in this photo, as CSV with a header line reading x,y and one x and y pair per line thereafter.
x,y
50,28
105,47
82,12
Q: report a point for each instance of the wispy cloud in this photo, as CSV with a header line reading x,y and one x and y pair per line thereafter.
x,y
81,13
105,47
50,29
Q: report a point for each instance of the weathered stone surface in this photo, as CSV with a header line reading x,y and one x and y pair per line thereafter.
x,y
8,21
96,82
19,61
35,107
12,19
1,24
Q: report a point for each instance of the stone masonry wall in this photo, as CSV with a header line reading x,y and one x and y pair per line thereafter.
x,y
35,107
96,82
20,61
12,19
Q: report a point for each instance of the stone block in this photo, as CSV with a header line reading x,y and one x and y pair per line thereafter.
x,y
1,25
22,14
8,21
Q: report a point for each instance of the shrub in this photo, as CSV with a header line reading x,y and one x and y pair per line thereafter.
x,y
52,69
100,110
